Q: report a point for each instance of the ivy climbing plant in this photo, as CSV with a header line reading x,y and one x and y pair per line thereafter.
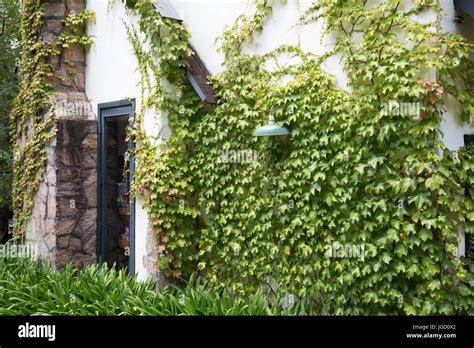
x,y
32,118
354,171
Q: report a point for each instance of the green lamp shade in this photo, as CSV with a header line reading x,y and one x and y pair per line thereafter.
x,y
270,129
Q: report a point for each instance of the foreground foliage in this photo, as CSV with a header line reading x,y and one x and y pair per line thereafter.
x,y
32,288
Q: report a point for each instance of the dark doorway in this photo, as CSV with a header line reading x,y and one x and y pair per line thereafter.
x,y
116,240
469,235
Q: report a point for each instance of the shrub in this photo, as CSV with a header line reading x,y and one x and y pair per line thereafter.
x,y
32,288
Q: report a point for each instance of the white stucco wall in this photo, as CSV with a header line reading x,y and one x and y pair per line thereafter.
x,y
452,128
110,63
111,66
207,19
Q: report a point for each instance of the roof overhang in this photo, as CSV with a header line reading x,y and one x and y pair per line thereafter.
x,y
196,72
198,75
465,5
167,10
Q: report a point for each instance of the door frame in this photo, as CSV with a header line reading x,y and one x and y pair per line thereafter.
x,y
105,110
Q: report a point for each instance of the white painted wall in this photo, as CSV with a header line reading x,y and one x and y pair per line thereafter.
x,y
111,66
452,128
207,19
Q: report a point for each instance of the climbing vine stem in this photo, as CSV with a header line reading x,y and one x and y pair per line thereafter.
x,y
32,118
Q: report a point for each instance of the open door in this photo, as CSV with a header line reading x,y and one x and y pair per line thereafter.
x,y
469,236
116,230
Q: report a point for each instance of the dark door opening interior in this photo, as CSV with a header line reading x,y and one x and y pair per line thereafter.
x,y
116,218
469,235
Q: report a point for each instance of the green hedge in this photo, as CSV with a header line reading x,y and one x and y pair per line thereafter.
x,y
33,288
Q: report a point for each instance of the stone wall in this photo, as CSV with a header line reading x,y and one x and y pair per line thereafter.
x,y
64,221
149,260
71,59
41,229
76,194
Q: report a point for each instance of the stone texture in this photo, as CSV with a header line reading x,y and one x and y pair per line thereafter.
x,y
50,225
54,60
75,5
89,224
50,241
90,142
68,157
51,38
51,175
82,260
149,260
69,66
55,9
66,227
51,206
90,161
41,230
75,244
63,242
80,81
77,223
39,224
69,174
66,233
43,195
54,26
150,264
74,54
91,195
60,79
62,257
89,244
